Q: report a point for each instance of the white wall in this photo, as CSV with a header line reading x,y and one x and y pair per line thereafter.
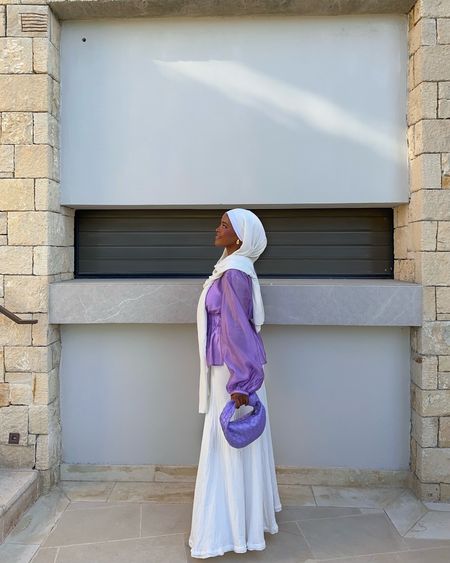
x,y
338,396
241,111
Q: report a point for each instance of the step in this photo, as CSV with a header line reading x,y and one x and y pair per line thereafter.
x,y
19,489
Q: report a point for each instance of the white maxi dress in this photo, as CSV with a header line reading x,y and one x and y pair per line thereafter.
x,y
236,494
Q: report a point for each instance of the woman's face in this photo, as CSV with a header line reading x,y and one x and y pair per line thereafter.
x,y
225,234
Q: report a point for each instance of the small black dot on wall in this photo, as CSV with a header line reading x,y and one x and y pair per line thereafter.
x,y
83,39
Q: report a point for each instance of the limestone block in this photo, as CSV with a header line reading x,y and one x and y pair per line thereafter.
x,y
34,161
425,491
16,259
47,195
422,235
55,94
423,33
14,419
31,21
444,90
422,101
25,294
425,172
43,228
444,380
430,205
445,493
4,394
432,63
444,109
404,270
443,30
431,402
443,235
15,456
46,129
27,358
432,338
3,222
410,138
55,30
21,394
16,128
424,371
401,215
16,195
46,387
2,365
17,55
48,450
45,57
432,135
38,419
433,464
20,377
56,353
42,332
443,301
444,363
401,236
433,268
6,158
410,78
53,259
24,92
2,20
432,8
429,303
424,430
14,334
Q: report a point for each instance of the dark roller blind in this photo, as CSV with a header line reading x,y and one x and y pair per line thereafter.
x,y
350,243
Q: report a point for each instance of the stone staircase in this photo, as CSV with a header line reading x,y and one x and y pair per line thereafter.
x,y
19,489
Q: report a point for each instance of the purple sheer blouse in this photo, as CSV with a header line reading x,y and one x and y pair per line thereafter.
x,y
231,336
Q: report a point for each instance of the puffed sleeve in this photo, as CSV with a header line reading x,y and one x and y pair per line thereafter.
x,y
238,336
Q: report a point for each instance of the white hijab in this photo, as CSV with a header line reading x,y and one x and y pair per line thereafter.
x,y
251,232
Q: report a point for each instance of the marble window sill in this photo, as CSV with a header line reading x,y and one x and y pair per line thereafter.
x,y
349,302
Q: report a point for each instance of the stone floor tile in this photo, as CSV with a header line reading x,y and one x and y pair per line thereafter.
x,y
94,472
159,519
286,546
292,513
296,495
163,549
423,556
17,553
444,506
83,526
434,525
175,473
156,492
45,555
359,497
404,511
87,504
39,519
352,535
87,490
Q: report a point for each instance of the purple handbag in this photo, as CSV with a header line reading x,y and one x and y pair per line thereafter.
x,y
244,430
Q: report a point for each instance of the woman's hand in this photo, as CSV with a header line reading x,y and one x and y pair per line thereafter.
x,y
239,399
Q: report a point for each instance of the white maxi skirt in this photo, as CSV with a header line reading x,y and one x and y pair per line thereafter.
x,y
236,493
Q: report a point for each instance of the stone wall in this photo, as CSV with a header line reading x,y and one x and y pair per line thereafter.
x,y
422,244
36,237
36,233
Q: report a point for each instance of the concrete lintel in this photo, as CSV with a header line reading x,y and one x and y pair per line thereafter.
x,y
339,302
87,9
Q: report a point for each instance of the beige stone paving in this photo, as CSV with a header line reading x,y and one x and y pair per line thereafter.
x,y
99,522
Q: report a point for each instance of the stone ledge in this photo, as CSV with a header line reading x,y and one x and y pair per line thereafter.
x,y
83,9
350,302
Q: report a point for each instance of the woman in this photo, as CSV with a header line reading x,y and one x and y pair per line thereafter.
x,y
236,494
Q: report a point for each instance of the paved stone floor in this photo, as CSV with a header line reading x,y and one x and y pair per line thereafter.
x,y
137,522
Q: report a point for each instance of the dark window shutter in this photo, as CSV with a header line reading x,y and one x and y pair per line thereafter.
x,y
354,242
